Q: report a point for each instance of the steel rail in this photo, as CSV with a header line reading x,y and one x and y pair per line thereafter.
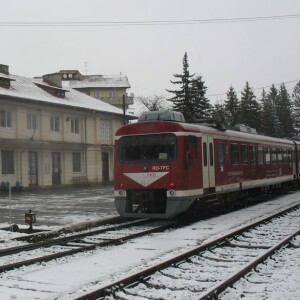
x,y
63,240
217,289
146,273
44,235
82,248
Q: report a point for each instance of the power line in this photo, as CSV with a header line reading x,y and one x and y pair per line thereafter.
x,y
254,89
224,94
147,23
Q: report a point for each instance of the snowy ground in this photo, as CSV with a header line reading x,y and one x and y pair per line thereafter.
x,y
58,208
70,277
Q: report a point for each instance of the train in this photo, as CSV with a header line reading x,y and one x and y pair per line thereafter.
x,y
164,166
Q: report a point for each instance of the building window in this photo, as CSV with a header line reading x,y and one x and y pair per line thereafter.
x,y
75,125
7,159
54,123
5,118
112,93
105,132
32,120
76,162
96,94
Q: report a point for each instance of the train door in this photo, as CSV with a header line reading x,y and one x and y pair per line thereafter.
x,y
56,170
33,167
208,164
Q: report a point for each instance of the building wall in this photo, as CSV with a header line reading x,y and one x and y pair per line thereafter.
x,y
113,96
92,139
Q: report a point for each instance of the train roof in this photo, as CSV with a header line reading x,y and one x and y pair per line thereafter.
x,y
158,127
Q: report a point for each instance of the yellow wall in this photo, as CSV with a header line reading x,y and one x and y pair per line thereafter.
x,y
88,142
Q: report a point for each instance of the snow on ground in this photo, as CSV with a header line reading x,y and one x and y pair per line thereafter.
x,y
71,277
61,207
276,279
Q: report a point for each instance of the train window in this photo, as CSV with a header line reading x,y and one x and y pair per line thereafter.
x,y
152,147
211,154
234,154
267,155
244,154
260,155
289,156
273,156
221,154
284,156
205,154
252,153
192,146
279,155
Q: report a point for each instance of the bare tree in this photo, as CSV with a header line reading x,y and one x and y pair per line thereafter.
x,y
153,103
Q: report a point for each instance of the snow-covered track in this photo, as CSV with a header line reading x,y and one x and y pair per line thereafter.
x,y
205,271
50,249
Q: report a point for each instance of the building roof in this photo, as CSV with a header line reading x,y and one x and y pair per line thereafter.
x,y
101,81
29,89
2,75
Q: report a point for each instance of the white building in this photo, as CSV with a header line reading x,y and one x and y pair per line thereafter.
x,y
109,88
51,135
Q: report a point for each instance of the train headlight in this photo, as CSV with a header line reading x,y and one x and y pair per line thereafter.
x,y
172,192
172,184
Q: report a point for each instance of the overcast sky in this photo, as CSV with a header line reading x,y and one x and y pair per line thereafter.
x,y
223,53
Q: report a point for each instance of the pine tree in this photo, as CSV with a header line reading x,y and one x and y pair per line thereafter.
x,y
232,107
296,103
182,98
269,119
284,112
201,106
250,110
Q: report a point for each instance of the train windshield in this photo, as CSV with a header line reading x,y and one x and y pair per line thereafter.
x,y
152,147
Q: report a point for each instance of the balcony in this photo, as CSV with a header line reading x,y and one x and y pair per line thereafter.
x,y
118,101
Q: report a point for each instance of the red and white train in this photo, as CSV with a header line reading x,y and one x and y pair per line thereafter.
x,y
165,166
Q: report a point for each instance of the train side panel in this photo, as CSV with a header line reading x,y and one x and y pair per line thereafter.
x,y
246,164
162,168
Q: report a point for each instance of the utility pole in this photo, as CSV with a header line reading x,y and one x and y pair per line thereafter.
x,y
124,108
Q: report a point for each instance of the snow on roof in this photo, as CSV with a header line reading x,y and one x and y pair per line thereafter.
x,y
27,88
44,84
2,75
101,81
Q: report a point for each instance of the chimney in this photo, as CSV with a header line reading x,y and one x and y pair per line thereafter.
x,y
4,69
5,79
54,79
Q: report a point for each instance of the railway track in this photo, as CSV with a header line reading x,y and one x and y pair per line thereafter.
x,y
53,247
207,270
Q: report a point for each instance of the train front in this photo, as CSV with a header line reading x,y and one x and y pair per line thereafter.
x,y
149,171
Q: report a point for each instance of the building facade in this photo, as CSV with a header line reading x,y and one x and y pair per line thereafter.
x,y
111,89
51,135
